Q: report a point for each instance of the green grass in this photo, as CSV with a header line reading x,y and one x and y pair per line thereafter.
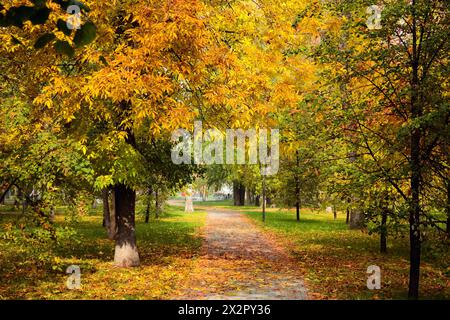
x,y
167,247
335,259
214,203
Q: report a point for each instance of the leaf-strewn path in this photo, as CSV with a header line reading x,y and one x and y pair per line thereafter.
x,y
239,261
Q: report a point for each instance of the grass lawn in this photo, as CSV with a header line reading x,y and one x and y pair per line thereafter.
x,y
335,259
214,203
166,246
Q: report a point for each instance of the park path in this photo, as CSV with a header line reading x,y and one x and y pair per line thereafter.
x,y
240,261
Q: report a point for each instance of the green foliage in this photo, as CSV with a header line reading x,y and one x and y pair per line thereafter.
x,y
36,243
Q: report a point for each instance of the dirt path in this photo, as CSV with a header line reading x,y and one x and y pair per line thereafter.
x,y
239,261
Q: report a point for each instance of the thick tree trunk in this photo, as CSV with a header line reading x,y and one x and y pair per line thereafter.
x,y
238,193
235,194
297,209
126,253
356,219
383,231
106,212
241,195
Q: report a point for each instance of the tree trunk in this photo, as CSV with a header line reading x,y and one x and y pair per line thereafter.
x,y
156,204
5,192
235,193
414,238
241,195
297,188
238,193
52,214
112,231
204,192
334,213
383,231
249,195
257,201
147,211
106,212
149,201
126,253
264,199
356,219
297,197
347,219
415,164
448,209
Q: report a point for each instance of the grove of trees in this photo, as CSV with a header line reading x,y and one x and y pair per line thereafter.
x,y
363,112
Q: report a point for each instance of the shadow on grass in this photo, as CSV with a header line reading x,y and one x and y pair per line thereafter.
x,y
336,258
159,242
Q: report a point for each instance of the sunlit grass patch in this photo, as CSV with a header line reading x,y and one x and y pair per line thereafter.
x,y
334,259
166,248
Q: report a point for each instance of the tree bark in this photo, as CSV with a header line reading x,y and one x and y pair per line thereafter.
x,y
297,198
126,252
112,231
297,188
204,192
415,164
3,196
356,219
257,200
264,199
383,231
448,209
149,200
106,212
241,195
347,218
52,214
147,211
235,194
238,193
334,213
250,197
156,204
